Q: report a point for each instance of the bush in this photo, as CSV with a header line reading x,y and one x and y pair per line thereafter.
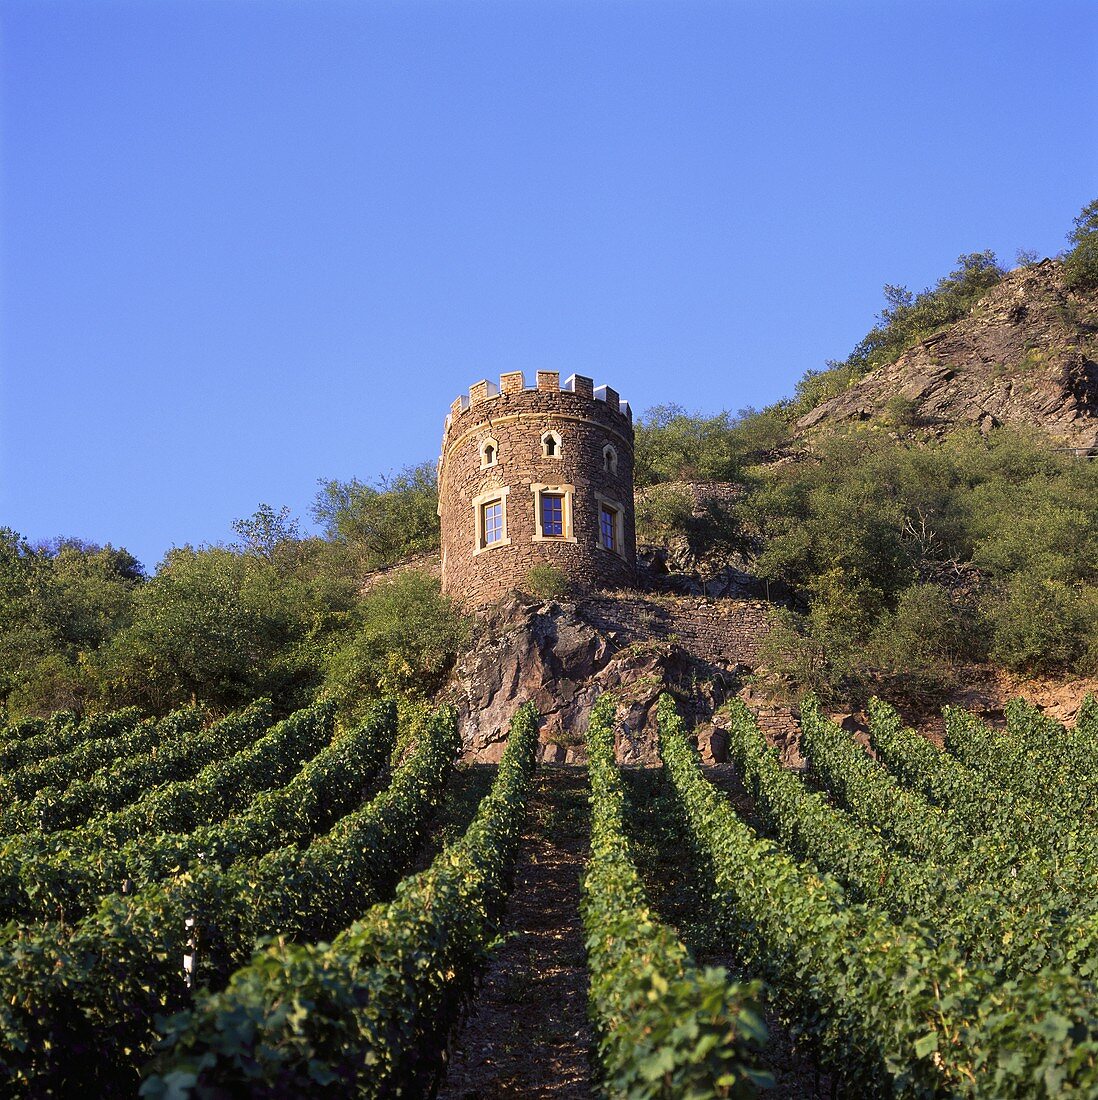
x,y
790,651
925,631
1039,625
663,512
209,627
900,411
547,582
920,643
405,640
385,521
762,431
674,445
1081,263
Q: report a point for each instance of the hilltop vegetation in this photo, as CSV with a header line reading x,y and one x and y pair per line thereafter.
x,y
907,548
275,614
908,551
907,557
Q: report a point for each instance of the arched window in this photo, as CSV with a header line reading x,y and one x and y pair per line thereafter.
x,y
489,453
609,459
550,445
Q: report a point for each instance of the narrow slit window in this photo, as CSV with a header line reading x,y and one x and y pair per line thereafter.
x,y
552,515
489,453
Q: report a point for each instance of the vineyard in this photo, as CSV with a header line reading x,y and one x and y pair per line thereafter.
x,y
248,907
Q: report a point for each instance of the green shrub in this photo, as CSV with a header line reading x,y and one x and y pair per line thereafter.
x,y
924,633
900,411
405,640
547,582
1038,625
662,512
674,445
385,521
1081,263
790,651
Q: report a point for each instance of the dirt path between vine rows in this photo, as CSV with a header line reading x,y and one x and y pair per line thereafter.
x,y
527,1034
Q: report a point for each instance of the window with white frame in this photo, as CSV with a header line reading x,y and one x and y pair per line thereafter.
x,y
551,445
609,459
553,513
492,522
608,527
490,517
611,534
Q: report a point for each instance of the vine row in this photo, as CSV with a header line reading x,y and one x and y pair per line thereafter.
x,y
367,1014
138,956
666,1028
900,1014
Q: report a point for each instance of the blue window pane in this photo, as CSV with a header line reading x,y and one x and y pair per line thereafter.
x,y
552,515
493,523
607,525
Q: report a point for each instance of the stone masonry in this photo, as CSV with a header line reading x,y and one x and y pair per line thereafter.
x,y
505,447
721,633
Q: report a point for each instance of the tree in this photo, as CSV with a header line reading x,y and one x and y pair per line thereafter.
x,y
266,530
674,445
60,601
1081,263
405,638
210,626
385,521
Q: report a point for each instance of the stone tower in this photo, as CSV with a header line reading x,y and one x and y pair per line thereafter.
x,y
528,476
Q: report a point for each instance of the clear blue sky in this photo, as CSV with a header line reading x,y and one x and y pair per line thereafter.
x,y
249,245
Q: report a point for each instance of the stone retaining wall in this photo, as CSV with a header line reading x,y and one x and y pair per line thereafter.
x,y
724,633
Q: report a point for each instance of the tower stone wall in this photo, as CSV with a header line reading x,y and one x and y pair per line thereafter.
x,y
513,460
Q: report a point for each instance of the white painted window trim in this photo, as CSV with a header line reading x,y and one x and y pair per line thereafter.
x,y
478,503
610,459
614,506
559,448
565,491
485,444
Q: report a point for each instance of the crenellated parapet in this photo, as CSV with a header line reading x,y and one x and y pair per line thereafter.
x,y
532,475
546,381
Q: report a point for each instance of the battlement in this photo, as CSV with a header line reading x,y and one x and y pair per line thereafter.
x,y
532,475
547,381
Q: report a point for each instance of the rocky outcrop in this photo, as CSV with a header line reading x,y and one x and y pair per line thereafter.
x,y
562,657
1027,354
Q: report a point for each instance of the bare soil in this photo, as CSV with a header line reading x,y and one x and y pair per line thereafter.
x,y
527,1033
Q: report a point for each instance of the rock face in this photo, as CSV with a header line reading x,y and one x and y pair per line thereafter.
x,y
555,656
1027,354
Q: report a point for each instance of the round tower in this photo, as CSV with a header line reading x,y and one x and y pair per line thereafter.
x,y
532,476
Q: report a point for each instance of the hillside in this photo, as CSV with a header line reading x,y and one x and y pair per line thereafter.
x,y
1026,355
305,894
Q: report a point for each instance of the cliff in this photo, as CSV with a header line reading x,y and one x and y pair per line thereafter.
x,y
1026,354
